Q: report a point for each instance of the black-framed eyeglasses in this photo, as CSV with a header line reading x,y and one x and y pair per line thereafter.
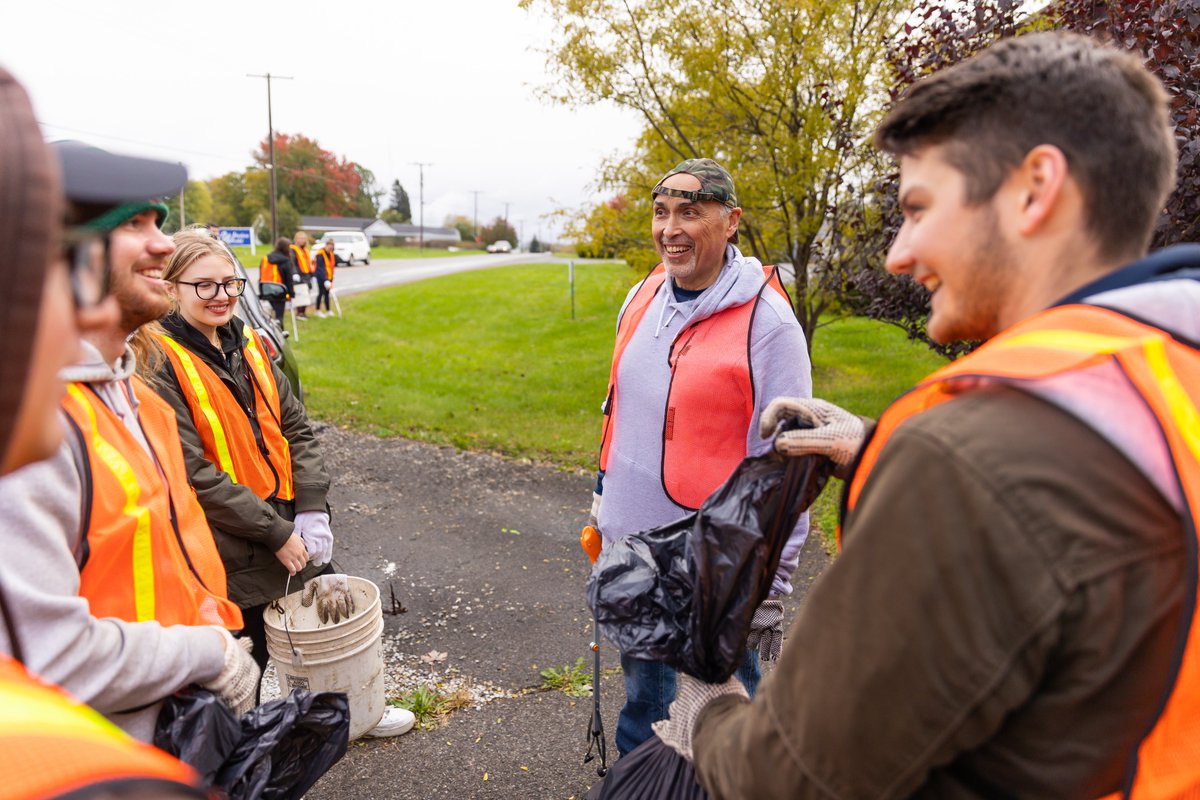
x,y
207,290
86,252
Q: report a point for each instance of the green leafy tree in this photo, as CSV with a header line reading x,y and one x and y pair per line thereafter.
x,y
780,92
197,207
497,230
398,202
463,224
229,197
616,228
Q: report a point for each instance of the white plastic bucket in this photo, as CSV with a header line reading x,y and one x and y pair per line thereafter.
x,y
346,656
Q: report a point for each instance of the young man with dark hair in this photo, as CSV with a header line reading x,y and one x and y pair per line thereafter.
x,y
1012,612
111,571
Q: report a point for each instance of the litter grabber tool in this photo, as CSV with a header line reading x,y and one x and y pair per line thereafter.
x,y
591,542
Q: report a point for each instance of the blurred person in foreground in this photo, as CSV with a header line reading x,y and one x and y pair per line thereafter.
x,y
113,581
51,745
1013,610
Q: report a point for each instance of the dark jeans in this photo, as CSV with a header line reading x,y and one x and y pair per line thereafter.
x,y
279,306
649,690
322,294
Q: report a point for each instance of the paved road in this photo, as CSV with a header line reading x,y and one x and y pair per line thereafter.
x,y
393,271
483,555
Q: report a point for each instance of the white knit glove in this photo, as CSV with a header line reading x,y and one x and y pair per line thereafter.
x,y
313,528
766,630
833,432
328,284
335,601
237,684
691,696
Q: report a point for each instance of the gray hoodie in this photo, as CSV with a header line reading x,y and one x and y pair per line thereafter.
x,y
633,496
121,669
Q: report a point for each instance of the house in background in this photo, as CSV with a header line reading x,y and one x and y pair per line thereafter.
x,y
377,229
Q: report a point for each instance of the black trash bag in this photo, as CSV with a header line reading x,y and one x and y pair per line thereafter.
x,y
281,748
652,771
198,729
684,593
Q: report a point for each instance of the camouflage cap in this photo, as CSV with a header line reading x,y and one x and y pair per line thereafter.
x,y
715,183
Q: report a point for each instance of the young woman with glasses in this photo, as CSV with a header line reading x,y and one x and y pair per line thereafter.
x,y
250,452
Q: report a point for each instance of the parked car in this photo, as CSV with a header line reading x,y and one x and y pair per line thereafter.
x,y
499,246
348,246
257,313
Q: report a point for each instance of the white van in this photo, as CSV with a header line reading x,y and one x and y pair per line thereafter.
x,y
348,246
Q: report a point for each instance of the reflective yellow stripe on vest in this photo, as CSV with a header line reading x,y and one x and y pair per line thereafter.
x,y
222,444
1180,406
143,563
266,380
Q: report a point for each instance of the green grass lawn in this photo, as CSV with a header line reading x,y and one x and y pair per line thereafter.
x,y
492,360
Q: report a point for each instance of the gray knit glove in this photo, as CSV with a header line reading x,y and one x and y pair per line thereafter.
x,y
766,630
691,696
237,684
832,432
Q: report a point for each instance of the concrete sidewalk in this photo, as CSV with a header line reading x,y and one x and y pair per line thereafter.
x,y
483,555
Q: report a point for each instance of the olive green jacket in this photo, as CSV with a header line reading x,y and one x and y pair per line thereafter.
x,y
247,529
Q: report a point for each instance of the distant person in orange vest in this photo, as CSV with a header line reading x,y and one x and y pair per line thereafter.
x,y
112,577
702,343
1013,613
303,266
51,745
276,267
325,262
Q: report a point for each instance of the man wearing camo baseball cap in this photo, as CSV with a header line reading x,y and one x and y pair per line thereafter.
x,y
702,342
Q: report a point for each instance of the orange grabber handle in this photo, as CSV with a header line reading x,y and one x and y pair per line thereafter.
x,y
591,542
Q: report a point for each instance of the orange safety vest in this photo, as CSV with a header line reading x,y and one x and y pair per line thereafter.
x,y
704,431
1166,373
330,262
268,272
151,554
302,260
225,429
52,745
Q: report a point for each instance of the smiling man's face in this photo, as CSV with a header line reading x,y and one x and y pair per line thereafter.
x,y
139,250
690,237
955,250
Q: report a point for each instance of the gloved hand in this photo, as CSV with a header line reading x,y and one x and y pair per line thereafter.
x,y
834,433
335,601
766,630
328,284
691,696
313,528
237,684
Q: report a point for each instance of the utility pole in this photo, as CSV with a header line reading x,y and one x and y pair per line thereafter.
x,y
507,203
475,223
421,165
271,149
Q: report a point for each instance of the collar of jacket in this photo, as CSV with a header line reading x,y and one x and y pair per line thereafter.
x,y
1162,265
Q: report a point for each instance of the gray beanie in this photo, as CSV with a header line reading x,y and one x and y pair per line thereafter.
x,y
31,210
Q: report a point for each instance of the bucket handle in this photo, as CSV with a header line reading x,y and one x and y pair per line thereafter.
x,y
297,655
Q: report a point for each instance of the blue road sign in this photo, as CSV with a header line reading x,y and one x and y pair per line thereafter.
x,y
237,237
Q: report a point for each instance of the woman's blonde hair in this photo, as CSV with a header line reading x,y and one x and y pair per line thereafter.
x,y
191,244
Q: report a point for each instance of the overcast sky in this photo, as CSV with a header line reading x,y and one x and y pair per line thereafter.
x,y
444,81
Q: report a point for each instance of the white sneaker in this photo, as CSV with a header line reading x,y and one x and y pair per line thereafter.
x,y
395,722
